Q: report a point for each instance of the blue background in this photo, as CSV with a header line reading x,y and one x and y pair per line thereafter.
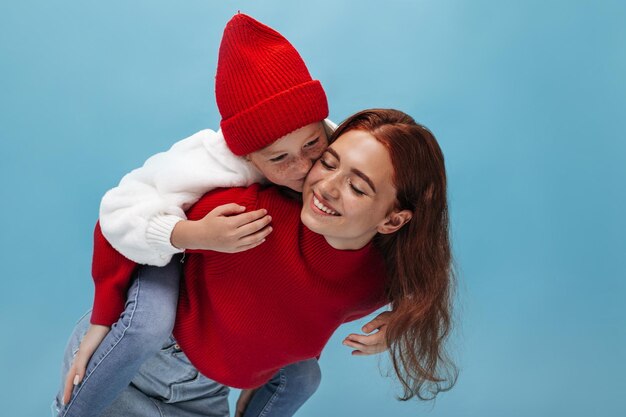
x,y
528,101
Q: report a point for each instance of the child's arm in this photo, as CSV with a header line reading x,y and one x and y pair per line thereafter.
x,y
138,216
224,229
112,272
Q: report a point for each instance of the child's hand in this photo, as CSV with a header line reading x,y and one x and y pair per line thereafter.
x,y
87,347
372,343
225,229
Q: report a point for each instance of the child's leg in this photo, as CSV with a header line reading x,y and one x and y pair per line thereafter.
x,y
285,393
146,323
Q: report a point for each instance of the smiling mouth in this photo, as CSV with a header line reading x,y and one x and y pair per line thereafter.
x,y
317,203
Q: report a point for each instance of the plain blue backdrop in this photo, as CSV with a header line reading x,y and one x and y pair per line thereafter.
x,y
527,99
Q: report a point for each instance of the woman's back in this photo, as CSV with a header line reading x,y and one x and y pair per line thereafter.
x,y
243,316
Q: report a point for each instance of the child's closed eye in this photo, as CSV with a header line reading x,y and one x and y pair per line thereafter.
x,y
278,158
312,143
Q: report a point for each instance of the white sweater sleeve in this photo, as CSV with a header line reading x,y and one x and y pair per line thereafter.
x,y
137,217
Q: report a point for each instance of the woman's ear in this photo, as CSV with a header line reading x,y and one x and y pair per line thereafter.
x,y
394,221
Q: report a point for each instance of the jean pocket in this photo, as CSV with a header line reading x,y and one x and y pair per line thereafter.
x,y
163,375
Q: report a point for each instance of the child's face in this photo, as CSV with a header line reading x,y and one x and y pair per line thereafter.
x,y
288,160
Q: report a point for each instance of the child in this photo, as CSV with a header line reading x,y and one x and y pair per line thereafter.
x,y
273,114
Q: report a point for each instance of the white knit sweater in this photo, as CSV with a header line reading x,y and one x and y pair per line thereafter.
x,y
137,217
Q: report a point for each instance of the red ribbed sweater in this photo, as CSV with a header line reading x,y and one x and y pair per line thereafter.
x,y
243,316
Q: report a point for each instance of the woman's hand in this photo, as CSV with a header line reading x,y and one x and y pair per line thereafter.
x,y
87,347
372,343
225,229
242,402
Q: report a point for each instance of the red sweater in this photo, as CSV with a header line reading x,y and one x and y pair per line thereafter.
x,y
243,316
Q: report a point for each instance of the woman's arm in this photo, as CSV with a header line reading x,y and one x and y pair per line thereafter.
x,y
138,216
94,336
112,274
371,343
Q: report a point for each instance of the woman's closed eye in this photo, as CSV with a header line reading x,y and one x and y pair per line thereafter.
x,y
356,190
326,164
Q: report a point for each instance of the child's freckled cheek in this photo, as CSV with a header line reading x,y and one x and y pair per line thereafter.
x,y
276,173
280,168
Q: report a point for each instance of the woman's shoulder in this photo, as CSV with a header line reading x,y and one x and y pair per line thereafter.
x,y
279,200
244,196
275,200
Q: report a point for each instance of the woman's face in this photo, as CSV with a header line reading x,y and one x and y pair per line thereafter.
x,y
349,195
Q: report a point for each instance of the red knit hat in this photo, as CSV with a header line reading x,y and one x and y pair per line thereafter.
x,y
263,88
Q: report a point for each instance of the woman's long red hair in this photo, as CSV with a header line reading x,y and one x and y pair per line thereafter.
x,y
418,256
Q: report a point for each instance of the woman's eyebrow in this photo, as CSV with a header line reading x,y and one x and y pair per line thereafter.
x,y
365,178
357,172
331,151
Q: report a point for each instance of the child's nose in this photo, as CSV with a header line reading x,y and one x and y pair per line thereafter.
x,y
302,167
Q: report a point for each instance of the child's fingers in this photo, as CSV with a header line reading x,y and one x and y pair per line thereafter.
x,y
254,240
248,217
254,226
227,209
256,237
248,247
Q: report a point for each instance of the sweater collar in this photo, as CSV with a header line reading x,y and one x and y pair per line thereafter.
x,y
329,262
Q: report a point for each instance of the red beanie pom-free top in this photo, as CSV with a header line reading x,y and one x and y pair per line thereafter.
x,y
263,87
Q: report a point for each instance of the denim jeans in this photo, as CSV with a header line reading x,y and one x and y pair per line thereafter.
x,y
139,370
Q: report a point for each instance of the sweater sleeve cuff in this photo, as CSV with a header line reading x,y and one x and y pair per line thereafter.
x,y
108,304
159,233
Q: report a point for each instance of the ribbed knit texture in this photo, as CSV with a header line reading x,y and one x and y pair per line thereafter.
x,y
241,317
263,87
111,273
159,232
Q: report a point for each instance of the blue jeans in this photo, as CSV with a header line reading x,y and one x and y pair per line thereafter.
x,y
139,370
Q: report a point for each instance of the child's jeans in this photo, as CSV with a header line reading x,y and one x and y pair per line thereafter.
x,y
139,370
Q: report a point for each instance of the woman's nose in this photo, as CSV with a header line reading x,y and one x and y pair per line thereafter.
x,y
328,188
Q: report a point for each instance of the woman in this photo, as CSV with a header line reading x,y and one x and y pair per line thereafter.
x,y
374,231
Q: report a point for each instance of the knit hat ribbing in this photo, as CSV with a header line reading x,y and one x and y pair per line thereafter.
x,y
263,87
